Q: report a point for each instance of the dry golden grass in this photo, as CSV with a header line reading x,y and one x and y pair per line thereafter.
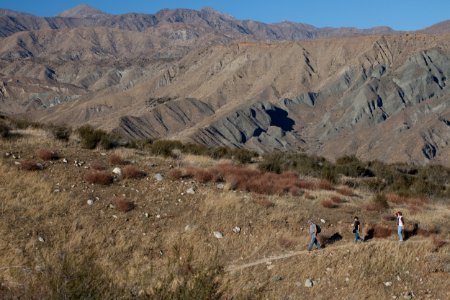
x,y
123,204
171,232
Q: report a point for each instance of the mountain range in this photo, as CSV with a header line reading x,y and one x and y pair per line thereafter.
x,y
206,77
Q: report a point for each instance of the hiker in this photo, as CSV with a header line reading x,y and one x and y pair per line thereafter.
x,y
356,227
400,224
313,231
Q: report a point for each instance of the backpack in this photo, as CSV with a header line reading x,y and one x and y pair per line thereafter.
x,y
318,229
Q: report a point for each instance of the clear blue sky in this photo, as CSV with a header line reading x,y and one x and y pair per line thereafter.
x,y
399,14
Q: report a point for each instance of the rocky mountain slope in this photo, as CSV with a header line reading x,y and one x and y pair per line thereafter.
x,y
189,75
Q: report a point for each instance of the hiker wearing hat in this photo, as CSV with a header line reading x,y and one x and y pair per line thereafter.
x,y
313,231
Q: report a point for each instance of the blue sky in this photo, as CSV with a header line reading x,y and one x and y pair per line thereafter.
x,y
399,14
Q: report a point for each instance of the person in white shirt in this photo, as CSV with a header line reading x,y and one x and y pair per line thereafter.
x,y
400,224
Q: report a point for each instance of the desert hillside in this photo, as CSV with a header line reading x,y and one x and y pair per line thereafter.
x,y
127,223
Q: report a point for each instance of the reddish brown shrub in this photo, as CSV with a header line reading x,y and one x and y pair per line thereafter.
x,y
123,204
201,175
382,231
98,165
309,196
47,154
329,204
306,185
389,217
175,174
115,159
99,177
336,199
132,172
264,202
324,185
345,191
30,166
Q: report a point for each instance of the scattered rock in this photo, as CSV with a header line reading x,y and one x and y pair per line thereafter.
x,y
388,283
322,221
117,171
329,269
40,166
146,215
408,295
158,216
220,186
158,177
7,154
40,239
65,160
398,278
277,278
90,202
17,163
56,191
218,235
308,283
190,191
237,229
270,267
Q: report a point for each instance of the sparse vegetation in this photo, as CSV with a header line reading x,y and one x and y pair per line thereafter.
x,y
99,177
117,160
60,132
378,203
123,204
4,130
132,172
329,204
46,154
28,165
91,138
98,165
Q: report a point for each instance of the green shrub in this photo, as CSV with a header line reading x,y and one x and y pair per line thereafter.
x,y
91,138
220,152
243,156
60,132
165,147
378,203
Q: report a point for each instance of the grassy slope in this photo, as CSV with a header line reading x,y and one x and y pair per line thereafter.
x,y
133,252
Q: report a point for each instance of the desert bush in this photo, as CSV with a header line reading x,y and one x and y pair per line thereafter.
x,y
89,136
24,124
175,174
99,177
437,243
201,175
328,203
60,132
336,199
47,154
382,231
324,185
117,160
345,191
4,130
165,147
123,204
132,172
378,203
98,165
220,152
243,156
28,165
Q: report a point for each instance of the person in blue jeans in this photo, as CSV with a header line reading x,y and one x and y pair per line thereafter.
x,y
400,224
313,235
356,227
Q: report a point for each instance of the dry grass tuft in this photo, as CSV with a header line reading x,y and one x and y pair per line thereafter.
x,y
264,202
286,243
28,165
337,199
410,201
175,174
382,231
98,166
329,204
132,172
46,154
123,204
345,191
99,177
324,184
378,203
116,160
437,243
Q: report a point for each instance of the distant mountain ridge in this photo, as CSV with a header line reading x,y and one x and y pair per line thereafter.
x,y
86,16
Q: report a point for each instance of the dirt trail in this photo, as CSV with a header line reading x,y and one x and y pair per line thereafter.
x,y
268,260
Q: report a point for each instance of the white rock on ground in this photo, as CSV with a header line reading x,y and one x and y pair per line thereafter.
x,y
190,191
90,202
237,229
40,239
308,283
158,177
322,220
117,171
220,186
218,235
388,283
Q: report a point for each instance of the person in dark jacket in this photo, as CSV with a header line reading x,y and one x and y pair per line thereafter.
x,y
356,229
